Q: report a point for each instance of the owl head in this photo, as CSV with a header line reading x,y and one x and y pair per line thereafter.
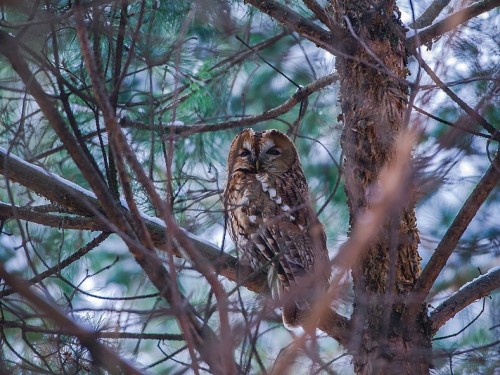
x,y
268,151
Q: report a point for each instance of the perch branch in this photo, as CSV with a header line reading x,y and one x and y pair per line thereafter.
x,y
70,195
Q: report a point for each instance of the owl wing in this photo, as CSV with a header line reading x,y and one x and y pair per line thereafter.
x,y
300,265
292,250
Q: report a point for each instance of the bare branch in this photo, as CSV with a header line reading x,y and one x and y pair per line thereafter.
x,y
322,15
456,230
472,291
430,14
450,23
8,211
332,41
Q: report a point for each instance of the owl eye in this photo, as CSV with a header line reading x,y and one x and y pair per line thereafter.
x,y
273,151
244,153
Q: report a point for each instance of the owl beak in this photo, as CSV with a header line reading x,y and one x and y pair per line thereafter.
x,y
257,165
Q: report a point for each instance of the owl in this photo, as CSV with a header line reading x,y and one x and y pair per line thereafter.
x,y
271,220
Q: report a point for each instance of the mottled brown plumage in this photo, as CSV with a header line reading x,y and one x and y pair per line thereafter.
x,y
271,220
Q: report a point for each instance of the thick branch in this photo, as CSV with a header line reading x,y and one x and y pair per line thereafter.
x,y
476,289
450,23
67,194
456,230
71,196
332,42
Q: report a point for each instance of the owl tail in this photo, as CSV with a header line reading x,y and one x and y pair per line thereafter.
x,y
292,315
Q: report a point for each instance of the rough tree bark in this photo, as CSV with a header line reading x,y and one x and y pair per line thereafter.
x,y
373,100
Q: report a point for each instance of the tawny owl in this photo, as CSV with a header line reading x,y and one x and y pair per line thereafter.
x,y
272,222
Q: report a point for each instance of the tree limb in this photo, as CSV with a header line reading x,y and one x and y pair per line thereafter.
x,y
449,23
78,200
455,231
296,98
70,195
322,15
472,291
430,14
332,41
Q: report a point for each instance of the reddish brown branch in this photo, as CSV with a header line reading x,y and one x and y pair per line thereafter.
x,y
296,98
478,288
450,23
456,230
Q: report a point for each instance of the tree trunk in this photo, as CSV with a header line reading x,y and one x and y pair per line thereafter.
x,y
373,105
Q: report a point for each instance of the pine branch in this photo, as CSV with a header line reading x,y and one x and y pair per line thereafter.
x,y
5,324
472,291
283,108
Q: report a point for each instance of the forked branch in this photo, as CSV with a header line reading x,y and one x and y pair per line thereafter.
x,y
450,23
